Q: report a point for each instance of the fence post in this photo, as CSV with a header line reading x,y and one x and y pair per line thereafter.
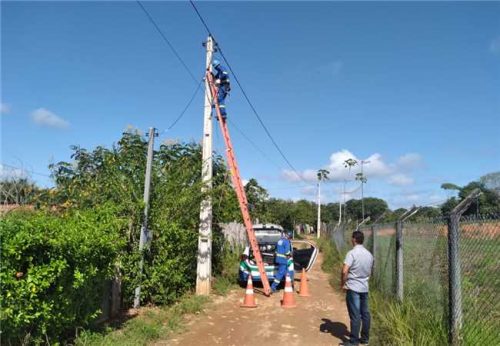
x,y
399,251
374,247
454,274
399,260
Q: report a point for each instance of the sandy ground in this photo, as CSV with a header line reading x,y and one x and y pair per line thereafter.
x,y
317,320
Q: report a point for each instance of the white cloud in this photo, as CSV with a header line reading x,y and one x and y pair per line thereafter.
x,y
397,173
4,108
400,179
410,161
44,117
374,167
495,45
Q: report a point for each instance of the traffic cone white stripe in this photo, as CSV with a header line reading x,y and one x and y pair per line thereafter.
x,y
249,300
288,300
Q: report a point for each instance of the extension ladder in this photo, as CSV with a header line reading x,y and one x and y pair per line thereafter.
x,y
238,186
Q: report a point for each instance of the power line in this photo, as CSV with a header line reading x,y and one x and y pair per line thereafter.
x,y
179,117
201,18
188,70
246,96
167,41
25,171
252,143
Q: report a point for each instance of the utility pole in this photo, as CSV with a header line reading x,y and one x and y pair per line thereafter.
x,y
363,181
340,203
204,266
145,236
318,226
322,175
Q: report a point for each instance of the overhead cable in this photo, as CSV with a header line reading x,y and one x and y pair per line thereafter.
x,y
164,37
245,95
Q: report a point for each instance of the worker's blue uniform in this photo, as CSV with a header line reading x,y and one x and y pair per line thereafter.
x,y
221,76
282,254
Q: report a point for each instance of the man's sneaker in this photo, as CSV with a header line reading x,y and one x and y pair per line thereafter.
x,y
364,343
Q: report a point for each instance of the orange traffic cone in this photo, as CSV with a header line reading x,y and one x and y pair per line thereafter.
x,y
288,300
304,288
249,300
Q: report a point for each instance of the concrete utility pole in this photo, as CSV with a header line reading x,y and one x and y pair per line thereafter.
x,y
318,227
204,267
340,203
145,236
363,181
322,175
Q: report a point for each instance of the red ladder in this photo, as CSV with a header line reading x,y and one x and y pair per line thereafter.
x,y
238,186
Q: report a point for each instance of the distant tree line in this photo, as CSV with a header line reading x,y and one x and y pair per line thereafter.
x,y
289,213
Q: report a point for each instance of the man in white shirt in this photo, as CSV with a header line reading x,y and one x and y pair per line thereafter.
x,y
358,265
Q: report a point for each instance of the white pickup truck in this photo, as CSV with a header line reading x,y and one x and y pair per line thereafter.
x,y
304,253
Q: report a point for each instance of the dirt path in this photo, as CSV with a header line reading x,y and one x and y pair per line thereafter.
x,y
317,320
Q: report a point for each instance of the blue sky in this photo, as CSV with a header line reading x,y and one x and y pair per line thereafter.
x,y
412,87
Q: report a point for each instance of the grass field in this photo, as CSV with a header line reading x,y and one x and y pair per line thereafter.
x,y
423,317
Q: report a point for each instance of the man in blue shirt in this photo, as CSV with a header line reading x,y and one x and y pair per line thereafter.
x,y
221,76
283,253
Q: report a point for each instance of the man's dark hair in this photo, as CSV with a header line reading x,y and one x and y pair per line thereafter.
x,y
358,237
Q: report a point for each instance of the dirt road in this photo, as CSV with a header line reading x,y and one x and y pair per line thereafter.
x,y
317,320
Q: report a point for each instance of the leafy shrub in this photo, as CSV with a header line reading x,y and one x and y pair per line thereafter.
x,y
53,270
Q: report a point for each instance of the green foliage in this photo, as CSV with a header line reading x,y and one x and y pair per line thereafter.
x,y
152,325
374,207
330,212
405,324
411,323
54,269
117,174
487,203
491,181
450,186
332,259
280,212
84,188
288,213
256,197
17,191
226,269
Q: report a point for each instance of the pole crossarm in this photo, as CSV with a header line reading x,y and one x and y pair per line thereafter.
x,y
238,186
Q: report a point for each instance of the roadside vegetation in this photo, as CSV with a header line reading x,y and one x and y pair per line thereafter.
x,y
153,323
60,254
392,323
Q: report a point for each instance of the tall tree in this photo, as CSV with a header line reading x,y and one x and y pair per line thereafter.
x,y
257,197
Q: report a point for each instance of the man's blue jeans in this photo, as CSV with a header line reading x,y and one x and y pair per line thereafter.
x,y
357,306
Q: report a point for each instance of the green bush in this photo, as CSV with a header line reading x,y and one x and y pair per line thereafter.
x,y
53,271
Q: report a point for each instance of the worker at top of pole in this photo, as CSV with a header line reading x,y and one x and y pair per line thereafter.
x,y
283,254
223,84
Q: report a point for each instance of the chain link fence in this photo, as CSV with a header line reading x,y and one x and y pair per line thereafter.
x,y
426,276
480,268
